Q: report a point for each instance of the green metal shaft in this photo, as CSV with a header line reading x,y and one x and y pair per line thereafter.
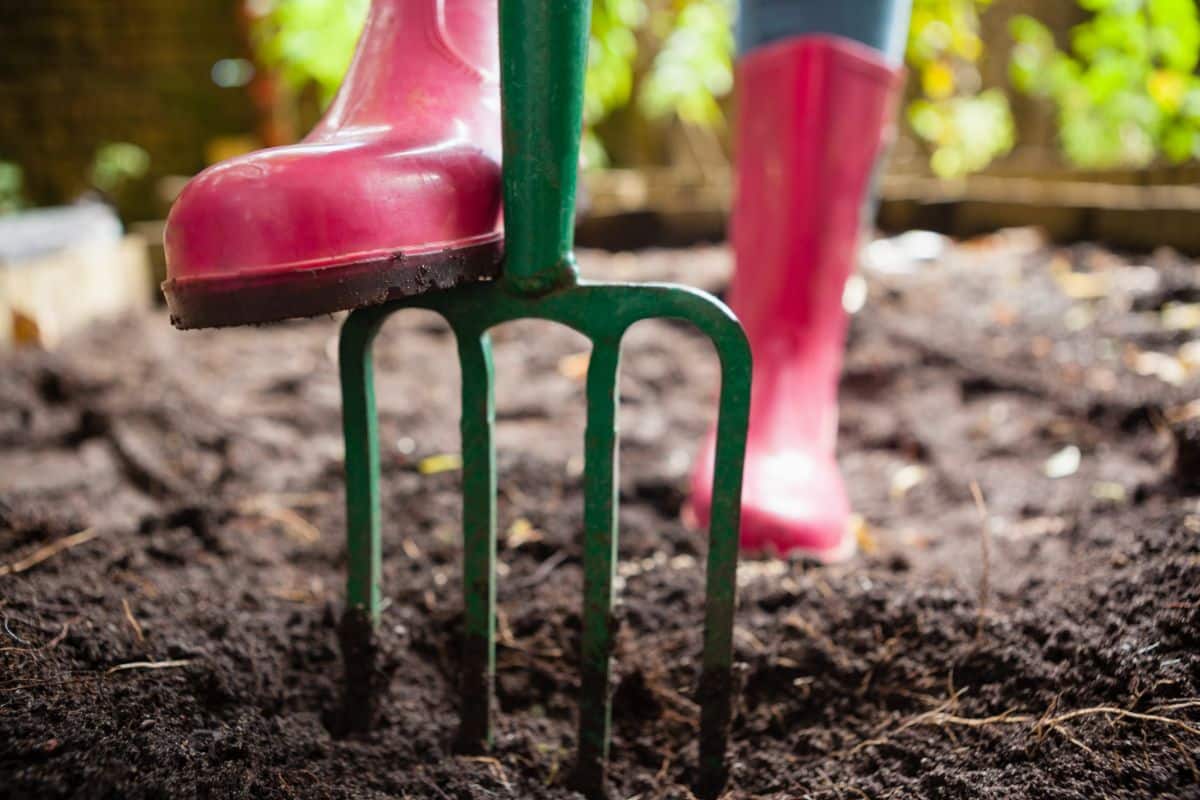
x,y
543,53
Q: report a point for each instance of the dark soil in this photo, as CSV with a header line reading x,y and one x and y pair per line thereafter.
x,y
1043,645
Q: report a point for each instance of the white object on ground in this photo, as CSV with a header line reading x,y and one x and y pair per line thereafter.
x,y
904,254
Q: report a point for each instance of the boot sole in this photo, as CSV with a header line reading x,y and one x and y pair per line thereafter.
x,y
258,299
841,553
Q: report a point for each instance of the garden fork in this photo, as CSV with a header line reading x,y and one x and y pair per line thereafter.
x,y
543,53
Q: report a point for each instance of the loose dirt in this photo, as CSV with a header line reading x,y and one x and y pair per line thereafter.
x,y
1036,638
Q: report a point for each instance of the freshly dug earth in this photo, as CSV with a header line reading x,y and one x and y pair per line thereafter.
x,y
1037,637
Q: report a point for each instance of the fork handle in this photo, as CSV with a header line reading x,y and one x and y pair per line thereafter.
x,y
543,54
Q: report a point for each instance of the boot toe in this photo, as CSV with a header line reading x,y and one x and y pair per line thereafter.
x,y
289,213
797,507
792,504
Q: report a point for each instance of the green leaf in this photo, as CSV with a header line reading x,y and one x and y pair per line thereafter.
x,y
1125,93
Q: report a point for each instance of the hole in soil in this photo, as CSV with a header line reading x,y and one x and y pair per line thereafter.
x,y
52,387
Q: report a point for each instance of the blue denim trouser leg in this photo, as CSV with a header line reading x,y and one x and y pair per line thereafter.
x,y
881,24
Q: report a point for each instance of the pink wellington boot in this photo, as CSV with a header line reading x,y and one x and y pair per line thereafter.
x,y
811,116
396,191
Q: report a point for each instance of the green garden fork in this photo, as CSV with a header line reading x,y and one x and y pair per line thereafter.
x,y
543,53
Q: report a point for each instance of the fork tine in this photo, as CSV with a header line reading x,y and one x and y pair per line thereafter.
x,y
715,692
716,679
479,539
364,551
599,564
361,428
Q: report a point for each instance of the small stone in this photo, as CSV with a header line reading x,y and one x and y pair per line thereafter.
x,y
1064,463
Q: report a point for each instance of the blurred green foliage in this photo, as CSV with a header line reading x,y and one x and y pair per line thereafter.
x,y
965,128
611,54
117,164
12,187
691,68
309,42
693,65
675,58
1125,92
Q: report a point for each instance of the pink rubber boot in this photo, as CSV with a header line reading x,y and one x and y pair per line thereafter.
x,y
395,192
811,113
